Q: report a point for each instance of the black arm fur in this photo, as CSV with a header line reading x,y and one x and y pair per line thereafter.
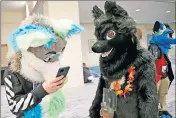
x,y
147,99
96,104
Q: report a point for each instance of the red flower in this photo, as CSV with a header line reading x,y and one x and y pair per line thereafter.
x,y
131,70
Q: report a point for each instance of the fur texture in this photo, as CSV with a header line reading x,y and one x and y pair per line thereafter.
x,y
123,51
36,112
55,104
15,62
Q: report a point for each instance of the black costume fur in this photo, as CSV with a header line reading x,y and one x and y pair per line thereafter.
x,y
142,101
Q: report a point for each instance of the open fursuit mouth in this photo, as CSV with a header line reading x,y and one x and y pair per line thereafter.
x,y
105,54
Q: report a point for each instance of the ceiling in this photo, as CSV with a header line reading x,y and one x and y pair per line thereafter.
x,y
150,11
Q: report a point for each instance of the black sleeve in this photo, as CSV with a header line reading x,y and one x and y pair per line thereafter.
x,y
147,88
18,100
94,111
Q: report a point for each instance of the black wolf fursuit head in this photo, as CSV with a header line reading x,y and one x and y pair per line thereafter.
x,y
135,91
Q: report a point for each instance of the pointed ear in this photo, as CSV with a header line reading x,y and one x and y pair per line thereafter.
x,y
112,8
156,26
97,12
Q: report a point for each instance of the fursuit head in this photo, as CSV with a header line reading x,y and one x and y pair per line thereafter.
x,y
127,86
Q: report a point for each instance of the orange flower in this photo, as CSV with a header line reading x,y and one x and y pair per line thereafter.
x,y
128,90
106,116
131,77
130,81
119,92
129,87
116,85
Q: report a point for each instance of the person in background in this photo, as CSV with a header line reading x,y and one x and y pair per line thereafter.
x,y
86,72
162,37
139,33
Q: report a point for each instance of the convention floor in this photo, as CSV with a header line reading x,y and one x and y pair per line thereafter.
x,y
79,100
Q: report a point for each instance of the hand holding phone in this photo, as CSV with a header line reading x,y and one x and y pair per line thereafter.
x,y
54,85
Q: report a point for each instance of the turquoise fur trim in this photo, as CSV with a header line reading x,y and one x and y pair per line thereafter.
x,y
74,30
56,104
35,112
30,28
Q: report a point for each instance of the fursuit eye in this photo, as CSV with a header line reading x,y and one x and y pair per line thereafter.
x,y
110,34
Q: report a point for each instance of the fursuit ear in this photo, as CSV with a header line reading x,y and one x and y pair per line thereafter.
x,y
159,27
156,26
97,12
112,8
65,28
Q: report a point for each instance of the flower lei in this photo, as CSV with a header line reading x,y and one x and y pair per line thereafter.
x,y
129,87
117,88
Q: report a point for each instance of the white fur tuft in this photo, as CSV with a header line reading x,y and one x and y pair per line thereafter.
x,y
62,25
32,39
27,71
35,69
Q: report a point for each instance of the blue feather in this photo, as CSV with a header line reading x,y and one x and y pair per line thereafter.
x,y
35,112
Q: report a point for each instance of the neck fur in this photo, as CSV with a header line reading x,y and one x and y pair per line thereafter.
x,y
35,69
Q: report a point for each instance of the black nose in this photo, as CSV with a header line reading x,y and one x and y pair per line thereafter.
x,y
101,46
96,48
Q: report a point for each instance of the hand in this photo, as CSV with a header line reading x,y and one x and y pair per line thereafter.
x,y
104,113
103,109
53,86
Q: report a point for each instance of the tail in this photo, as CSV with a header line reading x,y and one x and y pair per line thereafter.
x,y
55,104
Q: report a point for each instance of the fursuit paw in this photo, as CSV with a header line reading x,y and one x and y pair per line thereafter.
x,y
165,114
94,112
105,112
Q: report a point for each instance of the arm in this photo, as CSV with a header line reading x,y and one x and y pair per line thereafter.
x,y
168,40
18,100
147,92
94,111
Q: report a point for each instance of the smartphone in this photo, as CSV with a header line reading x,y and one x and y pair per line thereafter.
x,y
63,71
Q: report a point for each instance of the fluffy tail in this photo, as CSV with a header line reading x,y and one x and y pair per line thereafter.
x,y
55,104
